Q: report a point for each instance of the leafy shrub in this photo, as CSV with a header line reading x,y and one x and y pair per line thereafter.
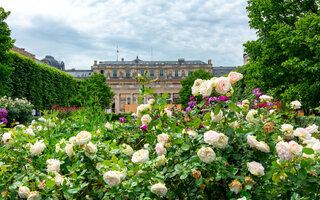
x,y
19,110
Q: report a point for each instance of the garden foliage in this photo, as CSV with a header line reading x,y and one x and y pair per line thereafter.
x,y
218,149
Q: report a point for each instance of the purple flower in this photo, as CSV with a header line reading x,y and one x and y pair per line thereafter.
x,y
258,95
188,129
122,119
191,98
223,98
256,91
188,109
4,112
201,126
143,127
239,103
211,99
192,104
4,120
156,117
204,97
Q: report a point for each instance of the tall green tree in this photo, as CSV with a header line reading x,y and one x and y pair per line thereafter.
x,y
94,92
6,43
185,92
285,59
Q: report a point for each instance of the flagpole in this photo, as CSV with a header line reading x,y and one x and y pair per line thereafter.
x,y
117,53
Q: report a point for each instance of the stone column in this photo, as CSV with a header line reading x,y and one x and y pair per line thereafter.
x,y
117,103
131,100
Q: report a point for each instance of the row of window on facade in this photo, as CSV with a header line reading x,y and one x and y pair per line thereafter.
x,y
176,73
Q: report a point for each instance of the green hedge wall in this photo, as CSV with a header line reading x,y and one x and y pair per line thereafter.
x,y
42,85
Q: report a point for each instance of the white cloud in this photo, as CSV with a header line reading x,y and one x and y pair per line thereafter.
x,y
80,31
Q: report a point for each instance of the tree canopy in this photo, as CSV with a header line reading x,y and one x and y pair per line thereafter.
x,y
185,92
285,59
6,43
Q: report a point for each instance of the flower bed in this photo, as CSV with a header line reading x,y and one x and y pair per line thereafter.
x,y
214,150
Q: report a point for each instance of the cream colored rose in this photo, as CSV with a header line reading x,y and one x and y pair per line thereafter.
x,y
162,160
34,195
245,102
235,186
145,119
169,112
252,141
23,192
218,140
295,104
112,178
160,149
266,98
60,179
30,132
90,149
251,114
223,85
69,150
295,148
34,123
41,119
283,151
108,126
316,147
196,87
7,139
37,148
206,88
301,133
234,124
163,138
53,165
286,128
140,156
127,150
312,129
255,168
83,137
206,154
234,77
143,108
73,140
216,118
151,101
262,146
192,133
159,189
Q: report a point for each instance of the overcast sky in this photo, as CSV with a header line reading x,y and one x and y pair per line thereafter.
x,y
81,31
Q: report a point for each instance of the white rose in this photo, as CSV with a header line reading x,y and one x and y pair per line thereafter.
x,y
252,141
206,88
234,124
7,139
265,98
145,119
223,85
316,147
301,133
73,140
284,151
206,154
250,115
160,149
108,126
262,146
34,122
243,198
140,156
69,150
218,140
295,104
30,132
37,148
143,108
216,118
245,102
151,101
312,129
163,138
112,178
19,126
196,87
192,133
162,160
286,128
90,149
41,119
34,195
234,77
53,165
310,141
127,150
159,189
83,137
255,168
59,180
294,147
169,112
23,192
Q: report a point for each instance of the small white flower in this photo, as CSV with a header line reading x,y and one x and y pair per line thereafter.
x,y
23,192
90,149
163,138
37,148
108,126
255,168
295,104
216,118
7,139
145,119
140,156
83,137
206,154
127,150
69,150
112,178
160,149
53,165
218,140
30,132
159,189
41,119
34,195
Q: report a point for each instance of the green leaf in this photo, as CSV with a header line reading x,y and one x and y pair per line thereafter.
x,y
183,176
74,190
207,116
165,95
185,147
199,181
50,183
302,173
217,109
308,151
276,177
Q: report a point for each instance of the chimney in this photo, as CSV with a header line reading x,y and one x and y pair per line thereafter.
x,y
181,60
209,62
122,59
95,63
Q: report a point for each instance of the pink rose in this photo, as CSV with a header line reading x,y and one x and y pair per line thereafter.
x,y
223,85
234,77
283,151
160,149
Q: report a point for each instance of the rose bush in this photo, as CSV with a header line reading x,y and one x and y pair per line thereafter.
x,y
218,149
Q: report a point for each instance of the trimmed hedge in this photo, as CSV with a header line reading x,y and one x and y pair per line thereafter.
x,y
304,121
42,85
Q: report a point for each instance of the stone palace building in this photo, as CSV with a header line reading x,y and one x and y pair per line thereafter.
x,y
121,78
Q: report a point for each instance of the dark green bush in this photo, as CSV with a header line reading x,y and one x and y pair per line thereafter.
x,y
304,121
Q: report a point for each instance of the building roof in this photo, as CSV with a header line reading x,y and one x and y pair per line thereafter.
x,y
53,62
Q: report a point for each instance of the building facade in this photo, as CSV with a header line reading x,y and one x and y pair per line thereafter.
x,y
168,74
79,73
